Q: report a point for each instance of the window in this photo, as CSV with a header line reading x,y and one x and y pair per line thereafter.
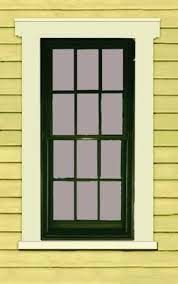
x,y
87,106
80,43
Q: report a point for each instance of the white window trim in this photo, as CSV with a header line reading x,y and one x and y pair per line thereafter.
x,y
143,31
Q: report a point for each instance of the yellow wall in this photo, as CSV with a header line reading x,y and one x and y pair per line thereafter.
x,y
156,267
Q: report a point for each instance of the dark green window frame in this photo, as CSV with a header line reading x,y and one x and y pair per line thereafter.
x,y
87,229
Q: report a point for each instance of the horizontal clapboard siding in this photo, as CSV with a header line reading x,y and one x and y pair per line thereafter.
x,y
166,121
85,5
157,267
90,275
10,171
166,138
168,17
88,259
10,188
10,138
10,86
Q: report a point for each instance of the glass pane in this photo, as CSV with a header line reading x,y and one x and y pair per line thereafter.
x,y
87,200
112,113
63,69
110,159
87,69
63,114
110,200
63,200
87,114
112,69
86,159
63,159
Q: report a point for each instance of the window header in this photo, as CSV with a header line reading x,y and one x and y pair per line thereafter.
x,y
95,27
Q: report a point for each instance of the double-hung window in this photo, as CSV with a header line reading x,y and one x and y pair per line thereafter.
x,y
87,128
87,133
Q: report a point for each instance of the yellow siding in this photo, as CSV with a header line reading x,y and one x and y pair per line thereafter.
x,y
10,70
10,121
92,4
168,17
10,86
165,87
166,138
89,275
166,188
10,188
166,121
84,259
10,103
10,223
9,137
157,267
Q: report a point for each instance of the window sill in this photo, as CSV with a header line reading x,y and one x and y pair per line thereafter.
x,y
87,245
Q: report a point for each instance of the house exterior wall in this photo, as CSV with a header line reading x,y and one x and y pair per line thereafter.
x,y
128,267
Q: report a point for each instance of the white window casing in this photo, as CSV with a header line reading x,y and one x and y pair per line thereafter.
x,y
143,31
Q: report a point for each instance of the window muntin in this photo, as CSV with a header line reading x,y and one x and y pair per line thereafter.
x,y
97,177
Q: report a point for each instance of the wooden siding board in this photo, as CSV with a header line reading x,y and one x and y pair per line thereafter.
x,y
166,69
166,121
168,18
166,87
10,104
10,205
166,104
7,36
10,137
10,121
88,259
166,188
166,223
84,4
10,171
166,206
10,69
166,154
89,275
9,241
10,52
167,241
10,188
10,223
161,52
10,86
166,171
10,154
